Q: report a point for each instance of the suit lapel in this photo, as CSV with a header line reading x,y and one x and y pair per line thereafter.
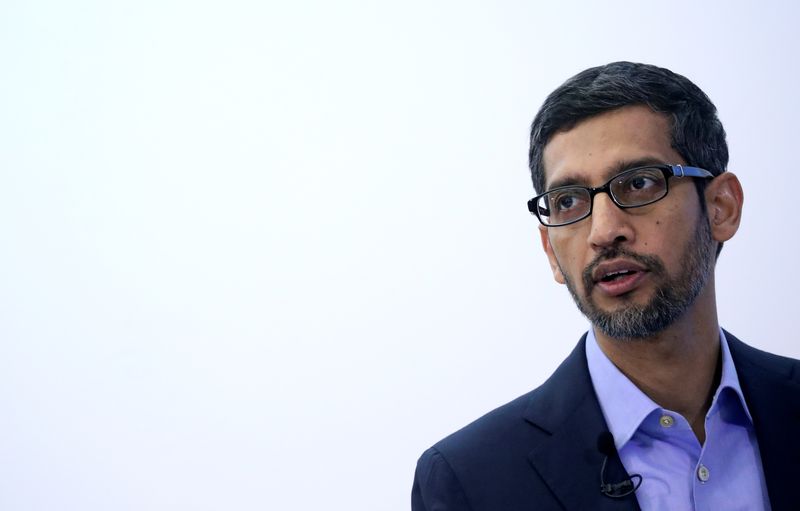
x,y
773,399
569,461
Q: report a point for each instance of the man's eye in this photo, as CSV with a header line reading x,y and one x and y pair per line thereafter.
x,y
640,182
565,201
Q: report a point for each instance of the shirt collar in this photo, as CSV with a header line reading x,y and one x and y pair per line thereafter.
x,y
729,378
625,407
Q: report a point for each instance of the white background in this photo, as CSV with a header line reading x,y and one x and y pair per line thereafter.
x,y
261,255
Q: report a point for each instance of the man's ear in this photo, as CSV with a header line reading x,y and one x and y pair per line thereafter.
x,y
551,256
724,199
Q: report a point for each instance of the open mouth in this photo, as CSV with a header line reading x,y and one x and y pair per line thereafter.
x,y
610,277
617,277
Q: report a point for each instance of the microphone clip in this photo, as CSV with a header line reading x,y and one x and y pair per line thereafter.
x,y
615,490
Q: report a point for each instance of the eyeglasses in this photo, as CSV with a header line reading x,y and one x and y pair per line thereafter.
x,y
633,188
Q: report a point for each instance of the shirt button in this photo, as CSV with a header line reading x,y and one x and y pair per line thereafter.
x,y
703,473
666,421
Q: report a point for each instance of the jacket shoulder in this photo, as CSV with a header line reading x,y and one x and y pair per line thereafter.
x,y
491,430
488,462
481,464
745,355
530,415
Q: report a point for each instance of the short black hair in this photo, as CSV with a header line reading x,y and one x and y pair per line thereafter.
x,y
697,133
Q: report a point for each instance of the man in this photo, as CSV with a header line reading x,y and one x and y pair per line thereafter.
x,y
657,408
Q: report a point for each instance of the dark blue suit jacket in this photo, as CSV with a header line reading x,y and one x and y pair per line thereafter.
x,y
539,452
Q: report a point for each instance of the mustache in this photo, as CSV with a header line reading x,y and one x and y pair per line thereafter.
x,y
651,263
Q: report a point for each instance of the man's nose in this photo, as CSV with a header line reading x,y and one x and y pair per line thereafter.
x,y
610,224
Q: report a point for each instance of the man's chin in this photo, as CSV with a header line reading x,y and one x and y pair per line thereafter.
x,y
605,304
625,318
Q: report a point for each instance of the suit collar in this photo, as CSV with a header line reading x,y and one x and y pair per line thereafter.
x,y
568,460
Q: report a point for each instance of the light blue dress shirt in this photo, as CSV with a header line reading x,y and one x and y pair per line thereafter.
x,y
678,473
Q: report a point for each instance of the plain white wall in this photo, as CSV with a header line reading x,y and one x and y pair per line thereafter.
x,y
260,255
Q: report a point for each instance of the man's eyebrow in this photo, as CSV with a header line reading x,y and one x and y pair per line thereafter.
x,y
623,165
620,166
565,181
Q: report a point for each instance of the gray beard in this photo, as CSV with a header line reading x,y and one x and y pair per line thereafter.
x,y
672,298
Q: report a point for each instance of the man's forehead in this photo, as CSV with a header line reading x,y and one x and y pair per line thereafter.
x,y
600,146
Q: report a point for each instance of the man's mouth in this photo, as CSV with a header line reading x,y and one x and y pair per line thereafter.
x,y
618,277
609,277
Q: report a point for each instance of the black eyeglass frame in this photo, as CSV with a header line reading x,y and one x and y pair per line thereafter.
x,y
669,171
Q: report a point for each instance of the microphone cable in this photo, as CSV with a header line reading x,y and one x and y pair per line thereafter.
x,y
605,444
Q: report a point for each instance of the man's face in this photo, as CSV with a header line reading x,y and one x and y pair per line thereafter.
x,y
632,272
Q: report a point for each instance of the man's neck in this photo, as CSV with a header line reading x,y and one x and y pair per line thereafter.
x,y
679,367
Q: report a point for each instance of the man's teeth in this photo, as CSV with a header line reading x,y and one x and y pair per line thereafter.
x,y
614,275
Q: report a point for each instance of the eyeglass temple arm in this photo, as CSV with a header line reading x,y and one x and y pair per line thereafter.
x,y
681,171
533,207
